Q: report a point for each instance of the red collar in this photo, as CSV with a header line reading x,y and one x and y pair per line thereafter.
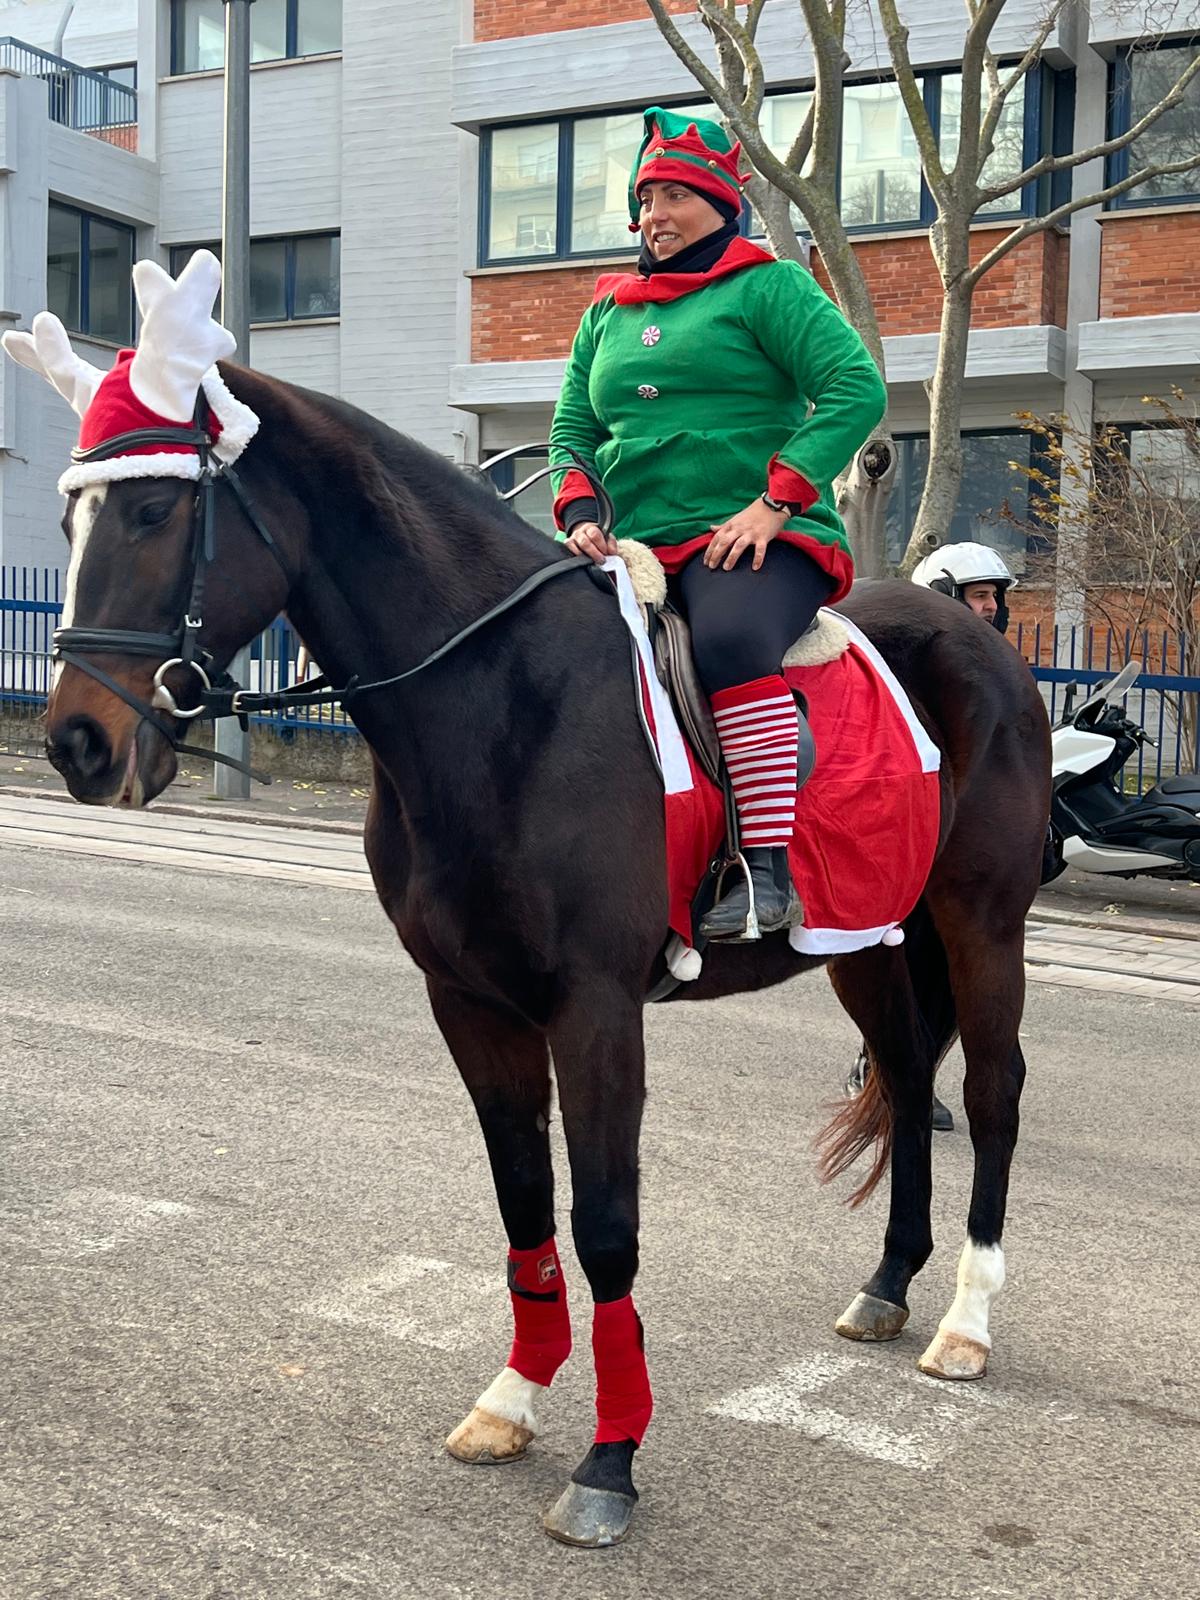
x,y
630,289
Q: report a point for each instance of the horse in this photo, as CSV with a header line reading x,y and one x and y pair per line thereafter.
x,y
516,840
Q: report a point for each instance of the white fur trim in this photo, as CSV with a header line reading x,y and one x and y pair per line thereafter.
x,y
238,423
827,641
893,936
645,572
683,962
164,464
512,1397
839,941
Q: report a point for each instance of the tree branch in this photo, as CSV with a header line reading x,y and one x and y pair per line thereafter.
x,y
722,19
910,92
1034,225
1095,152
1005,87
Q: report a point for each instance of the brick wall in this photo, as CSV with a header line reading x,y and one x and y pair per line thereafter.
x,y
1150,266
505,19
531,316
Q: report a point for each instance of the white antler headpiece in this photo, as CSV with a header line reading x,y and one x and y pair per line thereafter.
x,y
47,351
179,339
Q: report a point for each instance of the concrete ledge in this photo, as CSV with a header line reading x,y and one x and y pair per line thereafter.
x,y
993,353
1124,346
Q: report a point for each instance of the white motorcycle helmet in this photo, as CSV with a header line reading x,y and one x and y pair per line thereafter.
x,y
954,567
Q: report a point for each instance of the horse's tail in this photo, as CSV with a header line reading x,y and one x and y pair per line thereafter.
x,y
855,1126
866,1120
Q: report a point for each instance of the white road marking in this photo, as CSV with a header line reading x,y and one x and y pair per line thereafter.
x,y
412,1298
913,1423
91,1222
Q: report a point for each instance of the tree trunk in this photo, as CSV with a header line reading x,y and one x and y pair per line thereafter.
x,y
943,478
863,492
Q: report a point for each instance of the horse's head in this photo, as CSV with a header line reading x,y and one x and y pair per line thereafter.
x,y
143,521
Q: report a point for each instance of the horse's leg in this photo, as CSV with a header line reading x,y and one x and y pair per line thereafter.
x,y
988,974
900,998
599,1062
505,1065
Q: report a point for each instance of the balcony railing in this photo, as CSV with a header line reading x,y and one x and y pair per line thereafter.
x,y
86,101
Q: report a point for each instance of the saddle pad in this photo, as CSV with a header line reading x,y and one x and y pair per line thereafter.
x,y
866,821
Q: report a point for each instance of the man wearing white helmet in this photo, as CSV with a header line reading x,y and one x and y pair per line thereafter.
x,y
978,576
973,573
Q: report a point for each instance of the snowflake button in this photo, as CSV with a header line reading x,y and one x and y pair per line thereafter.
x,y
651,335
647,391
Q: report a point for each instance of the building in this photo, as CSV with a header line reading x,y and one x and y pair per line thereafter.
x,y
434,190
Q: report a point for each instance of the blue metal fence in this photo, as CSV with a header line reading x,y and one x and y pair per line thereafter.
x,y
30,605
90,102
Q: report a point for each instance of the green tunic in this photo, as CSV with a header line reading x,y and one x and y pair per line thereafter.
x,y
683,404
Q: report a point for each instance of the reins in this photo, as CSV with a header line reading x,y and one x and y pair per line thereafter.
x,y
223,696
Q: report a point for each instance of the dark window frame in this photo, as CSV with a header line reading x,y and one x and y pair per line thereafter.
x,y
290,52
86,218
179,254
1040,508
1120,109
1047,92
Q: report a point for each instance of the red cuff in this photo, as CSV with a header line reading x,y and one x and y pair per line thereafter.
x,y
574,487
783,483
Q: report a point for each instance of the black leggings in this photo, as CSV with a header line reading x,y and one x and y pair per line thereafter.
x,y
744,622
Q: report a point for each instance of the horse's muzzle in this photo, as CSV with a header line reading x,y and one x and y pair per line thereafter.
x,y
81,750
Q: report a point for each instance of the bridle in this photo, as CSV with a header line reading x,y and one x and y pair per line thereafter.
x,y
220,694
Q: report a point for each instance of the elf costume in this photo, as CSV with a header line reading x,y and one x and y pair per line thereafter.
x,y
694,385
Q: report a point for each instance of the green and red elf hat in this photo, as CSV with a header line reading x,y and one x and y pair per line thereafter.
x,y
690,150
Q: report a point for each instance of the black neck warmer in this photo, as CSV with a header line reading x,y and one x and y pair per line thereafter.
x,y
696,257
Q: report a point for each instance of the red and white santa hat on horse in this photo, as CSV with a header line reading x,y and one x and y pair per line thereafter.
x,y
155,386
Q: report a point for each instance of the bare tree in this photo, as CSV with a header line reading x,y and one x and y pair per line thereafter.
x,y
1128,521
982,170
805,176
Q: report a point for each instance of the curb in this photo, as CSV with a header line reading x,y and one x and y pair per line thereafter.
x,y
1115,924
173,808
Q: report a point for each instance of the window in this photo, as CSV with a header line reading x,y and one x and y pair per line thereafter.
x,y
124,72
993,502
278,29
1140,79
1167,462
290,279
536,504
881,170
89,267
557,189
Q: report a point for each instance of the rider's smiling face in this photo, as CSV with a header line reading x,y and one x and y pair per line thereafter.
x,y
673,217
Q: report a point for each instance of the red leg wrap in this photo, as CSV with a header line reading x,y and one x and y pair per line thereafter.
x,y
541,1321
623,1398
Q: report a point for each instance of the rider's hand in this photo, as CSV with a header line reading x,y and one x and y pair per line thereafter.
x,y
751,529
586,539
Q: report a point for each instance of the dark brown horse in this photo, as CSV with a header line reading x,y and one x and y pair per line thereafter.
x,y
515,836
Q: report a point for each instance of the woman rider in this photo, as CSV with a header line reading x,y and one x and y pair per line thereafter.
x,y
719,392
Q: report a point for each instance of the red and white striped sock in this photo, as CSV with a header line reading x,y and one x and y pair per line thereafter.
x,y
760,738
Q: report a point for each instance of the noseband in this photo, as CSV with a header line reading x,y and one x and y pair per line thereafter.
x,y
222,695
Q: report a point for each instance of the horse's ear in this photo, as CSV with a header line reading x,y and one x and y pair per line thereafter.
x,y
179,339
47,351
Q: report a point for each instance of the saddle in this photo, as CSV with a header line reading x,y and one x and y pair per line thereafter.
x,y
671,640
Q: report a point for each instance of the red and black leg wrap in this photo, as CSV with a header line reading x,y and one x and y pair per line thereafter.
x,y
541,1321
623,1398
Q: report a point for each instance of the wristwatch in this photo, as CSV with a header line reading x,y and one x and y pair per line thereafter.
x,y
774,505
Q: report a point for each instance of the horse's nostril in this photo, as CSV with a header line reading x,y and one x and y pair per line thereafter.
x,y
81,747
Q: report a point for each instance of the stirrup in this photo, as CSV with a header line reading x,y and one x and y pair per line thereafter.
x,y
751,930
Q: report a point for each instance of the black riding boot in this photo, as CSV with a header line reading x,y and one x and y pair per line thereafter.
x,y
942,1119
776,903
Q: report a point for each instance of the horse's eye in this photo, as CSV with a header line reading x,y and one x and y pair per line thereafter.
x,y
154,514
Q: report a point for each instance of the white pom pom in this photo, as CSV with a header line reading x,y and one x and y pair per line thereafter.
x,y
683,962
893,936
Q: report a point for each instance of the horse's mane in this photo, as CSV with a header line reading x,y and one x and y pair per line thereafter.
x,y
392,471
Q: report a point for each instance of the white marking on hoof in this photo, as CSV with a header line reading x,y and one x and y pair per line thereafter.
x,y
960,1348
502,1425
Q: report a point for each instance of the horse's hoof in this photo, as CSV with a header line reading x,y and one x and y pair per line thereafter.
x,y
870,1319
954,1356
589,1518
484,1440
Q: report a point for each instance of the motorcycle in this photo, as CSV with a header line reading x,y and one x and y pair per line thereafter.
x,y
1095,826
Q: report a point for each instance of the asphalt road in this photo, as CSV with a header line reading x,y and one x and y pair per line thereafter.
x,y
254,1275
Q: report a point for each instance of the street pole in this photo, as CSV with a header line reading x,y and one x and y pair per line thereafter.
x,y
228,783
